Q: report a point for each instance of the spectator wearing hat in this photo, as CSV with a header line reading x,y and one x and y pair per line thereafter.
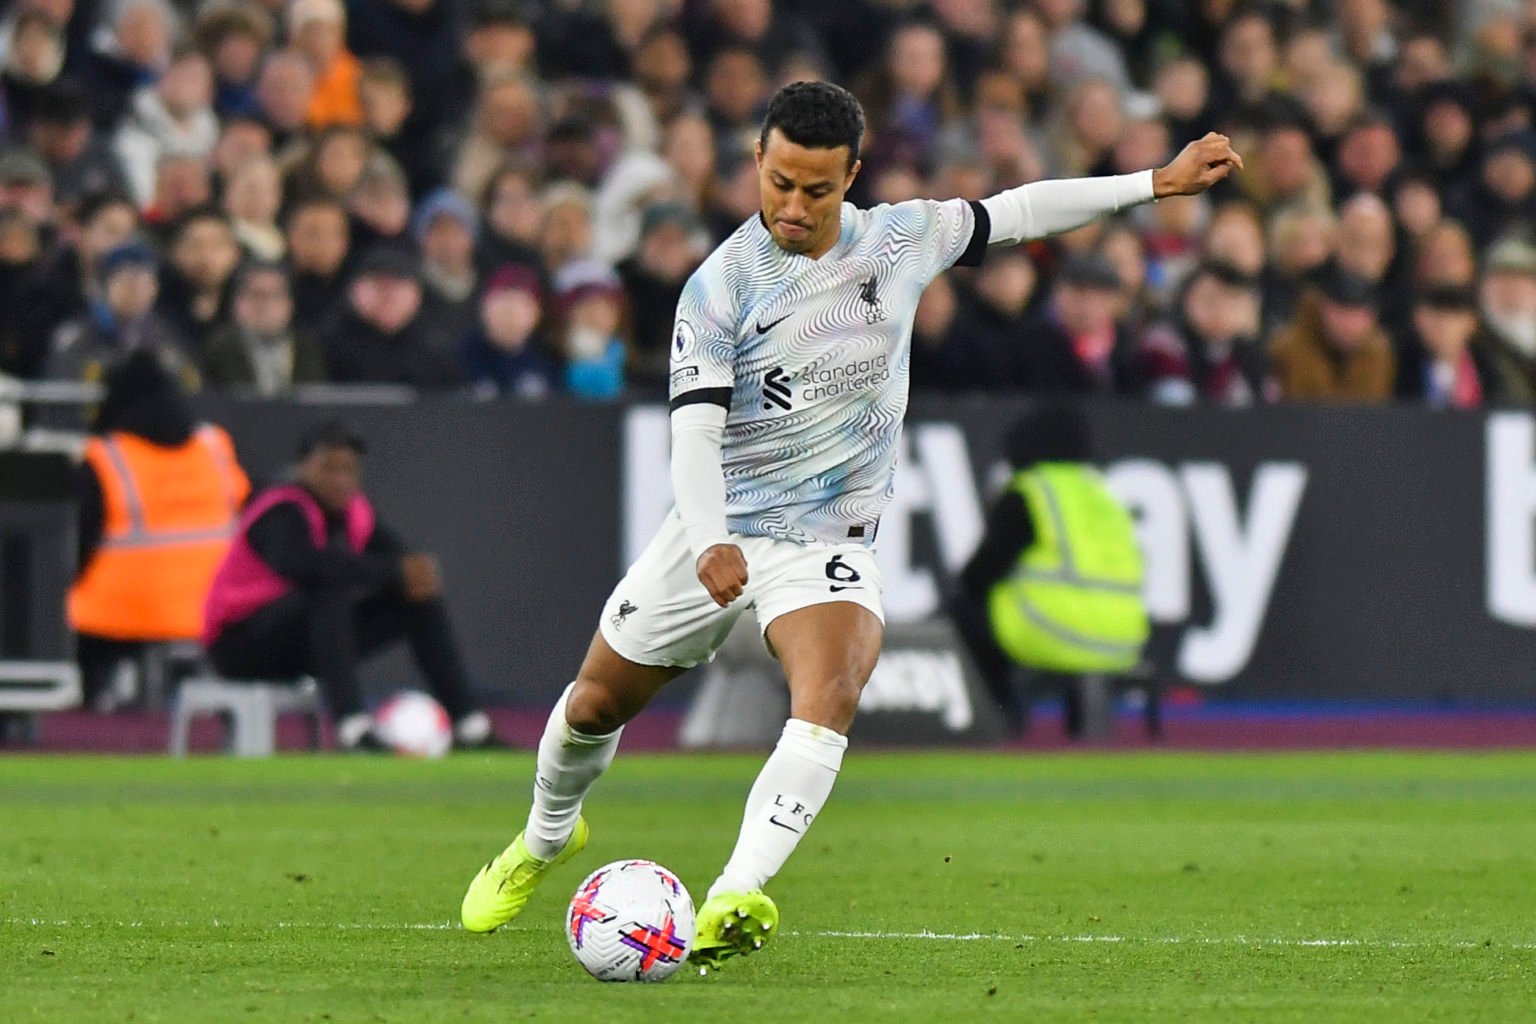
x,y
1335,350
121,320
175,115
1441,360
1208,350
379,335
61,133
260,352
590,297
653,277
195,283
318,236
318,30
503,354
1503,199
1078,347
314,583
1507,296
445,227
27,185
233,35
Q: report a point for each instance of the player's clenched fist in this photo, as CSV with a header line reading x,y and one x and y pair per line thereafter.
x,y
723,571
1198,166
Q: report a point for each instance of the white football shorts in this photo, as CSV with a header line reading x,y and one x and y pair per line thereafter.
x,y
660,614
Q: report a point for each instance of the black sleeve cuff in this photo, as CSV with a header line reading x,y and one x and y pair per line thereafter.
x,y
981,234
703,396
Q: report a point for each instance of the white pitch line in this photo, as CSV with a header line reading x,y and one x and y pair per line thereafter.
x,y
924,935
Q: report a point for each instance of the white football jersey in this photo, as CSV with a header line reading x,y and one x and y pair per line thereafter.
x,y
810,358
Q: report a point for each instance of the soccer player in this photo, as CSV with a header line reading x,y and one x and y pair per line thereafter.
x,y
788,389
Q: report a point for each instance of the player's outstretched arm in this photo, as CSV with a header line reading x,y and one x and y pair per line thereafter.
x,y
698,483
1045,208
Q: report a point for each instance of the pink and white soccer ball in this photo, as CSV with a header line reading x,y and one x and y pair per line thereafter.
x,y
631,920
414,725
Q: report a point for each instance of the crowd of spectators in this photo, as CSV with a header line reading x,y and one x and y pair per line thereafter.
x,y
504,198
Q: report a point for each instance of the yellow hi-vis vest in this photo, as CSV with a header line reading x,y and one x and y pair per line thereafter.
x,y
1074,602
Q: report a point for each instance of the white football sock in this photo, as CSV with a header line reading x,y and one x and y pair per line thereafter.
x,y
785,799
569,762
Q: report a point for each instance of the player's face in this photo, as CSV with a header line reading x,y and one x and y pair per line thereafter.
x,y
802,192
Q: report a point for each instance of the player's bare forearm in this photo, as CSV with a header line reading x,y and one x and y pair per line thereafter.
x,y
723,571
1198,166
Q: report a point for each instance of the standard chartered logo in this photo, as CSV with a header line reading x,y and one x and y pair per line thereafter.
x,y
834,381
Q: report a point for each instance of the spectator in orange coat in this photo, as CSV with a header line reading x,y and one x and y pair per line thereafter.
x,y
318,30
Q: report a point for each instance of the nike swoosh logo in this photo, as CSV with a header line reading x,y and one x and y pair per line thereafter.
x,y
772,820
834,589
764,330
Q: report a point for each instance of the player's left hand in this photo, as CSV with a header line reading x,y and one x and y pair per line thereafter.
x,y
1198,166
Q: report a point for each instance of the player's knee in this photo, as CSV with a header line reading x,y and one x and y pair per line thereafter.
x,y
595,709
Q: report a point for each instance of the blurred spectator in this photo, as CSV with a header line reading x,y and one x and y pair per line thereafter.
x,y
317,30
1249,59
1444,138
1171,229
1077,348
1333,99
26,186
1092,127
912,96
334,164
385,93
566,233
1335,350
79,161
1439,362
423,35
380,204
1416,205
670,250
1508,302
1369,155
997,312
119,322
1286,171
285,89
1121,245
445,228
689,154
1077,50
662,68
159,495
942,335
241,139
314,583
735,91
1367,248
1183,89
253,195
1236,237
590,298
1503,197
1208,351
182,182
1025,56
502,355
174,116
126,55
21,274
499,42
233,35
379,335
512,218
195,285
319,239
104,221
31,64
1302,241
260,351
1446,256
507,125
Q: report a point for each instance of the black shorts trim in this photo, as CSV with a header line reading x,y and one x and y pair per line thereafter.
x,y
703,396
981,234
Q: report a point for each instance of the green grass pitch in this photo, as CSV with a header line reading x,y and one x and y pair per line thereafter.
x,y
934,888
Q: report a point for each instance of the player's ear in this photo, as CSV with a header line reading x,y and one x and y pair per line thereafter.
x,y
853,172
757,152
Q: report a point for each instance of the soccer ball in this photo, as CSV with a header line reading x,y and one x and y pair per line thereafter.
x,y
414,725
631,920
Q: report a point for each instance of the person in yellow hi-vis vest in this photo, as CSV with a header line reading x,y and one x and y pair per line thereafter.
x,y
159,497
1055,586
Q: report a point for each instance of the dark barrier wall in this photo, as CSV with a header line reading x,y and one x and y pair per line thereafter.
x,y
1292,552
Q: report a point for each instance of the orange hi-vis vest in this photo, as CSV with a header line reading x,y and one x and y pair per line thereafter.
x,y
168,516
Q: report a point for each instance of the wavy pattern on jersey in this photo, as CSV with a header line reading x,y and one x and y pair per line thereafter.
x,y
828,462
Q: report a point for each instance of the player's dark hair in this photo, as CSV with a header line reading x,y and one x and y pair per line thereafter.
x,y
817,115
